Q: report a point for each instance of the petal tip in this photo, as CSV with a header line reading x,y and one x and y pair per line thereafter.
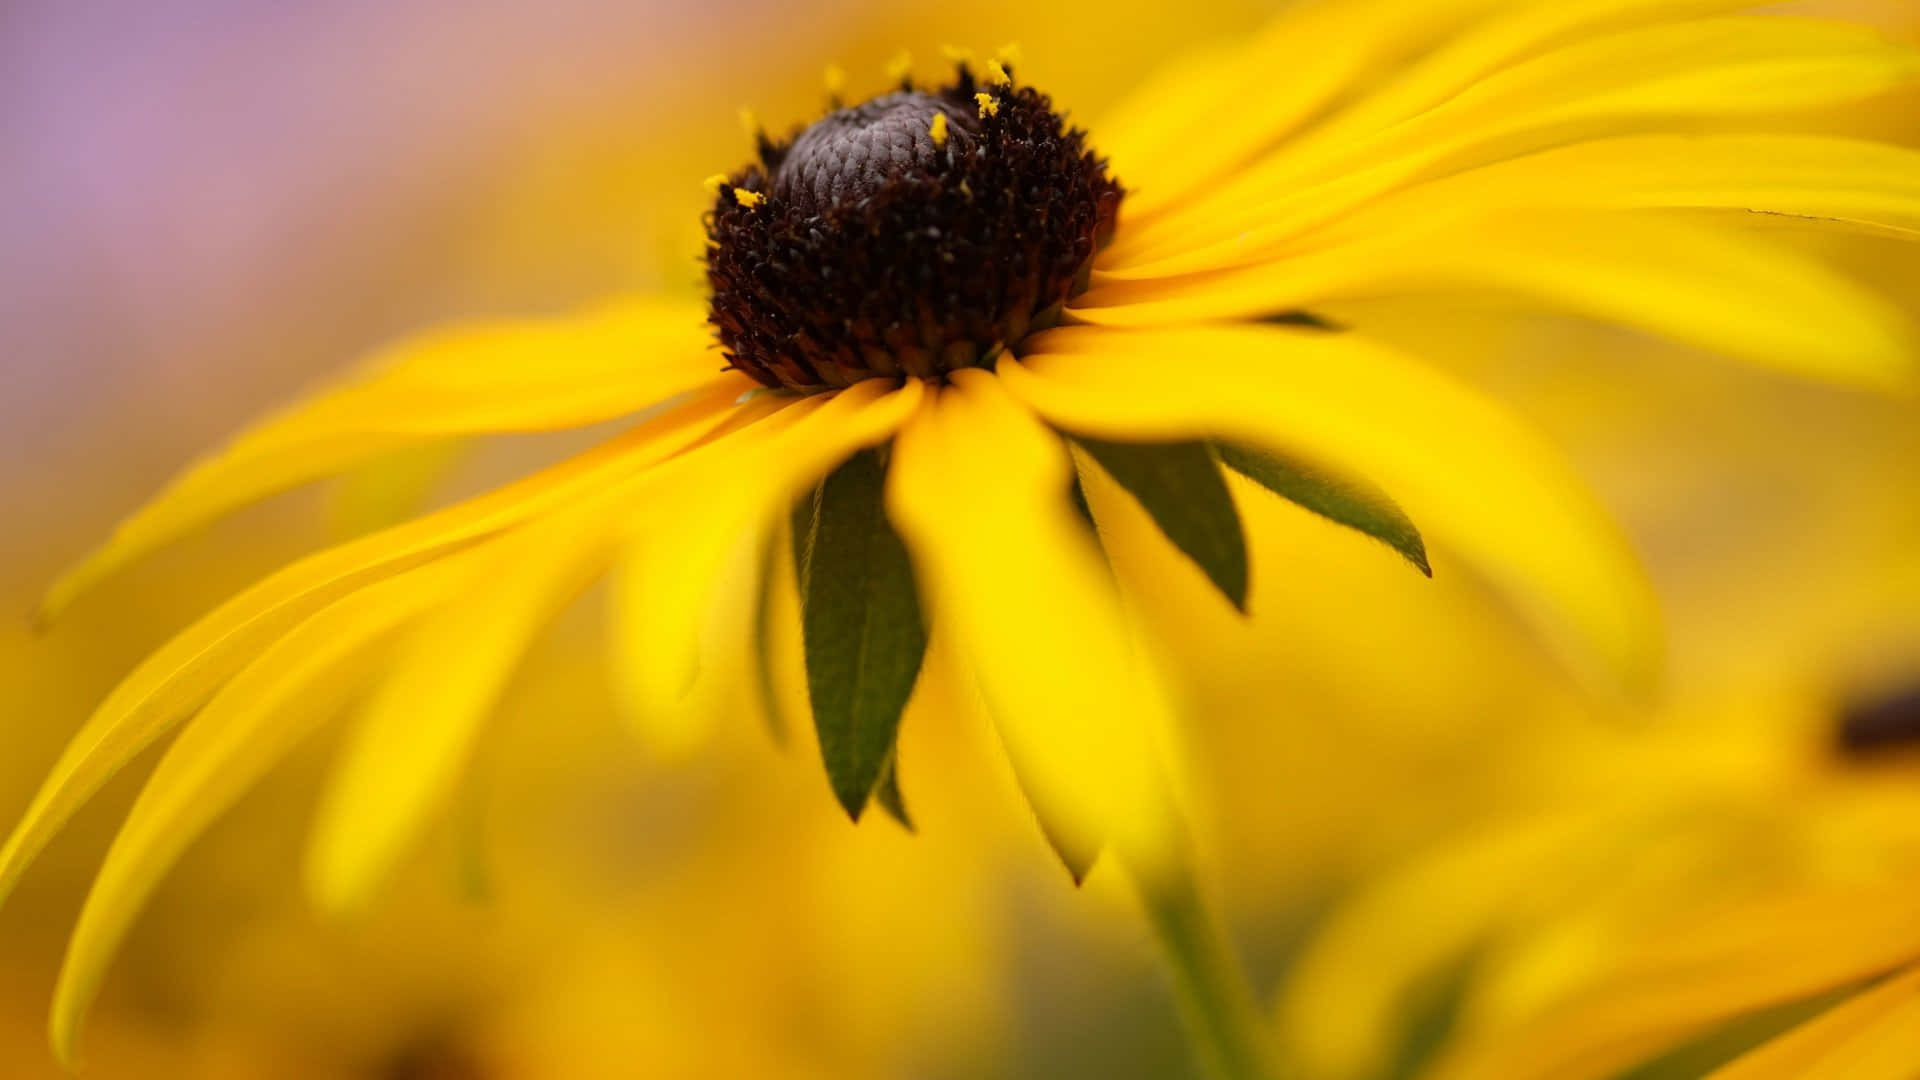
x,y
63,1028
338,882
53,603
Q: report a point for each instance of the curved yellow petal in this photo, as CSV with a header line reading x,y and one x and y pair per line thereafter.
x,y
778,656
1478,53
1325,48
701,509
1471,477
978,488
1730,67
253,722
403,752
1342,1006
1873,1036
522,376
705,520
1641,80
1834,182
178,676
1712,286
1870,185
1887,1051
389,489
1690,977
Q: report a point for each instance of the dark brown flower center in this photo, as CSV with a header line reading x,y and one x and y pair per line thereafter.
x,y
1885,722
913,234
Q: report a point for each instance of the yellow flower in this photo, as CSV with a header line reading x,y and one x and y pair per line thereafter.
x,y
1665,887
940,320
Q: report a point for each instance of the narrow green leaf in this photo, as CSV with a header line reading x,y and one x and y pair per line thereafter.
x,y
888,793
862,629
1353,503
1181,486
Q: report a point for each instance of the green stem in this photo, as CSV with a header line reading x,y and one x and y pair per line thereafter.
x,y
1216,999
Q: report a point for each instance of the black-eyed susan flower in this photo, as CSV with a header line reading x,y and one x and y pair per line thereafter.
x,y
947,318
1754,924
1654,897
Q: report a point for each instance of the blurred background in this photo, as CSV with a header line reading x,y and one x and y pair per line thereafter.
x,y
1421,830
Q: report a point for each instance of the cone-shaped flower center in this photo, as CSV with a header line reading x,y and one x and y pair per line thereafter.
x,y
913,234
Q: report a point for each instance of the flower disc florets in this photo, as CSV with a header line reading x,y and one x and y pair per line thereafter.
x,y
913,234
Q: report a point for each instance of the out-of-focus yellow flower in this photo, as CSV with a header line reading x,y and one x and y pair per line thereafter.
x,y
1707,905
1591,892
1539,150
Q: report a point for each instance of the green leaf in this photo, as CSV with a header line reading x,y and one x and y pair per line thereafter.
x,y
1353,503
888,793
1181,486
862,629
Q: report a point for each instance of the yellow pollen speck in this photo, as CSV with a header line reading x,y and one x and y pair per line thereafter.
x,y
957,54
836,77
715,182
900,66
938,129
749,121
1008,53
748,199
997,75
988,106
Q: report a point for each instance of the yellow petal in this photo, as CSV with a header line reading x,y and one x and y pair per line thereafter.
x,y
1343,1002
979,491
705,521
176,678
1873,1036
1734,294
249,726
1636,81
778,652
1712,67
404,751
527,376
701,508
1692,976
1472,479
1737,295
1836,180
389,489
1851,183
1511,36
1325,49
